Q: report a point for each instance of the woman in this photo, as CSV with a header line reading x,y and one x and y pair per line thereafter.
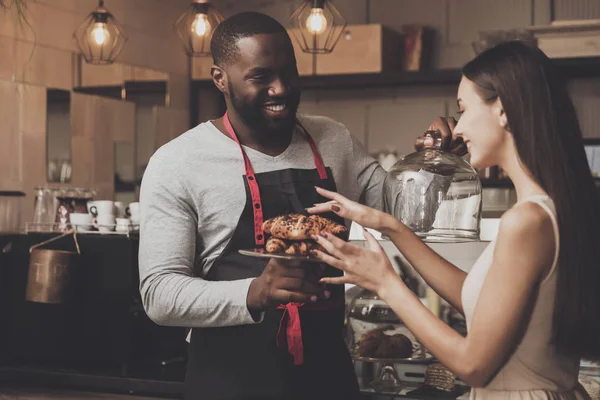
x,y
532,300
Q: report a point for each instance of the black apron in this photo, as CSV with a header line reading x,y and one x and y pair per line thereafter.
x,y
246,361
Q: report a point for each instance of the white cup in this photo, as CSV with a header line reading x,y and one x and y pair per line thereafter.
x,y
134,210
103,207
123,224
81,221
120,209
90,204
104,223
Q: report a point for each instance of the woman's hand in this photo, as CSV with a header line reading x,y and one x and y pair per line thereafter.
x,y
450,142
348,209
369,268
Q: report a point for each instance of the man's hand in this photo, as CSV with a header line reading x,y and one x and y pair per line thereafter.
x,y
283,282
450,143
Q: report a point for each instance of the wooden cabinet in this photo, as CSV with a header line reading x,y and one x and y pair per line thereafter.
x,y
372,48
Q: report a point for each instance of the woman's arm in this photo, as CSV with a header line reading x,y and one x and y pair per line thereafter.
x,y
524,251
440,274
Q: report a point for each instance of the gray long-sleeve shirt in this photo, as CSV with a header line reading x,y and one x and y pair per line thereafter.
x,y
192,196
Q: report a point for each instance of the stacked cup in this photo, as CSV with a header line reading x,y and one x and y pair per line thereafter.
x,y
81,221
134,212
104,214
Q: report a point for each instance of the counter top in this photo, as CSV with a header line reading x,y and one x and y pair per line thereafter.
x,y
151,387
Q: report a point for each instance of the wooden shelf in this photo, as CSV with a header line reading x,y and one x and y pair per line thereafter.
x,y
354,81
126,186
128,88
585,67
569,67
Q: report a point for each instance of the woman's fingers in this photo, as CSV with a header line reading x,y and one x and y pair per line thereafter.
x,y
331,195
330,202
319,208
371,241
326,258
330,244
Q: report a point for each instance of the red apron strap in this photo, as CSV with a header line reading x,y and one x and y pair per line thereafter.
x,y
259,236
318,159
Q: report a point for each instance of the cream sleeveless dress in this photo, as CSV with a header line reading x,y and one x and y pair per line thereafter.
x,y
535,370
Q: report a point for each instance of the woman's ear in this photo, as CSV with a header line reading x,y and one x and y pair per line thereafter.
x,y
499,111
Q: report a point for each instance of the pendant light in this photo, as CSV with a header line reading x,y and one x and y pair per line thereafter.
x,y
319,26
100,37
196,26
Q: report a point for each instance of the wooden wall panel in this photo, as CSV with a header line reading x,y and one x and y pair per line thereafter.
x,y
7,49
123,114
43,66
32,108
169,123
104,75
83,121
201,67
10,138
179,91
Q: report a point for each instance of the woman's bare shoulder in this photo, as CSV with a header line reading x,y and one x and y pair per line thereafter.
x,y
526,233
526,218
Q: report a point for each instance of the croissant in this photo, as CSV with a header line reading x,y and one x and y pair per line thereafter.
x,y
301,227
292,248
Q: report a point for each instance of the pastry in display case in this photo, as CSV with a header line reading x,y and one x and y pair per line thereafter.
x,y
375,334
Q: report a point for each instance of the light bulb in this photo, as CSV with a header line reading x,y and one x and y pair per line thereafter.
x,y
316,23
201,26
100,33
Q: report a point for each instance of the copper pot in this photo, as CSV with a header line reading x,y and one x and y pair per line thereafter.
x,y
52,273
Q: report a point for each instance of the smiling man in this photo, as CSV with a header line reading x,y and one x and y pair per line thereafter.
x,y
261,328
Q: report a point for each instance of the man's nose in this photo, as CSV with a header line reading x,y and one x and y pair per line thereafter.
x,y
279,88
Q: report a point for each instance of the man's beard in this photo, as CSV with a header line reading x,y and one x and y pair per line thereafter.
x,y
254,116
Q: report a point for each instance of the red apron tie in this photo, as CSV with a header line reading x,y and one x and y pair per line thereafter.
x,y
290,320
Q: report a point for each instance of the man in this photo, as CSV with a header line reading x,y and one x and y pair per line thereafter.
x,y
261,328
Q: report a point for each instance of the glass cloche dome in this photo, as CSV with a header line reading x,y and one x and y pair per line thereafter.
x,y
435,193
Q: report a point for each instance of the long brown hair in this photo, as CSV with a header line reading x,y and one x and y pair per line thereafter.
x,y
547,135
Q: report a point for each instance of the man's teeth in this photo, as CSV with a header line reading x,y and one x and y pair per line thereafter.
x,y
276,108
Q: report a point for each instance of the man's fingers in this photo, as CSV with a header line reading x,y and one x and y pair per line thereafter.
x,y
299,285
282,296
336,281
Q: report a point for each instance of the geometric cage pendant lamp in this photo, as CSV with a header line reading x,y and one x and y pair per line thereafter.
x,y
196,26
318,26
100,38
